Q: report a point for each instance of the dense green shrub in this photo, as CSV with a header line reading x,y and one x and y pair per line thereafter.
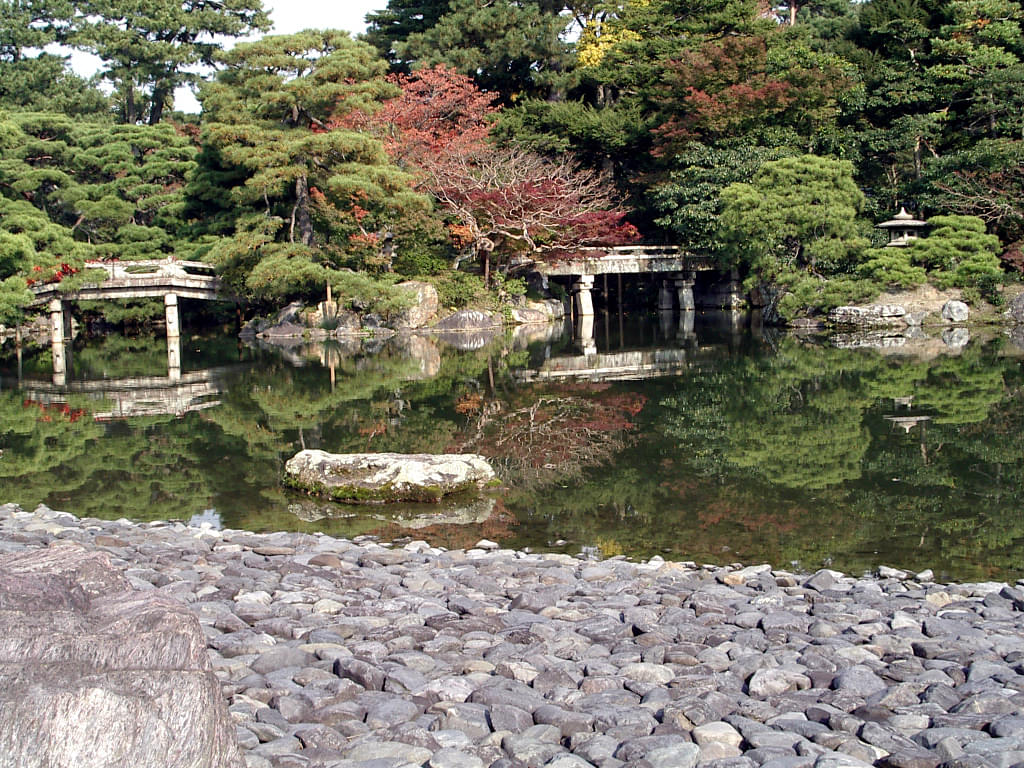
x,y
459,289
958,252
892,267
807,294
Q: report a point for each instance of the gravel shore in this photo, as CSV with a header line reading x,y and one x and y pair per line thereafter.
x,y
356,654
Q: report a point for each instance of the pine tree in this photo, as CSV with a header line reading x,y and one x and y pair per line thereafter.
x,y
316,196
148,47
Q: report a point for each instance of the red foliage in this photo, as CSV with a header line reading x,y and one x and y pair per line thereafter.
x,y
725,89
501,201
59,409
513,201
1013,257
59,273
438,111
731,88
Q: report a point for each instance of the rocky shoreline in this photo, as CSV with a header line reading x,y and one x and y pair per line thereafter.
x,y
355,654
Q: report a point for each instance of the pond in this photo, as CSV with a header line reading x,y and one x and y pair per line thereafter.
x,y
714,444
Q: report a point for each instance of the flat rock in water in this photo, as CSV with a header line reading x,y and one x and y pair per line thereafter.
x,y
380,477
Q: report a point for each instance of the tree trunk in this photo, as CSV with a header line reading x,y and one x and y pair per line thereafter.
x,y
302,218
129,105
156,109
793,8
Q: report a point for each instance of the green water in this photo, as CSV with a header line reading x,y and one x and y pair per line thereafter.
x,y
719,446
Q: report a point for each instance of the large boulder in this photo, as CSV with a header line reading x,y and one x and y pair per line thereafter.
x,y
875,314
381,477
423,310
469,329
285,330
1015,311
955,312
548,309
469,321
93,673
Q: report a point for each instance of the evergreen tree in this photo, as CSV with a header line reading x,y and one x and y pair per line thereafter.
x,y
316,196
795,225
509,47
958,252
149,47
390,28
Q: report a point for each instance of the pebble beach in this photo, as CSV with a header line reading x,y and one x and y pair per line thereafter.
x,y
335,653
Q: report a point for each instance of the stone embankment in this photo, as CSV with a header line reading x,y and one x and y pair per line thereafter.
x,y
352,654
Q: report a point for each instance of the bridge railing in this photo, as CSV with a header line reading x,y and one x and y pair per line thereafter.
x,y
151,267
643,250
145,278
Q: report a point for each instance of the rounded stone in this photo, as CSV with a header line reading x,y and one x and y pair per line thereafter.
x,y
454,758
643,672
717,732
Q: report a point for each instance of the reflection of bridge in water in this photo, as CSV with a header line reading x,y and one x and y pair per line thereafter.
x,y
136,396
676,349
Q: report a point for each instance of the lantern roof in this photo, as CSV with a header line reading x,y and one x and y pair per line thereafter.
x,y
902,220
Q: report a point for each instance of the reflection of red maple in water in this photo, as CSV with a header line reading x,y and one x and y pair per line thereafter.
x,y
60,409
554,438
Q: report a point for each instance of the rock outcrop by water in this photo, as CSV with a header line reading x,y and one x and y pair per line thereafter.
x,y
1015,311
424,307
95,673
373,477
353,654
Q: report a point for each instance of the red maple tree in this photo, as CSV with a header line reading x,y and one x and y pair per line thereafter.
x,y
502,202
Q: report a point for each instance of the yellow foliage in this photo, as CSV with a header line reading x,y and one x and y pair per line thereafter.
x,y
596,41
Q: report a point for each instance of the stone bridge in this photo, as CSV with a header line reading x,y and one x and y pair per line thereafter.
x,y
144,279
677,268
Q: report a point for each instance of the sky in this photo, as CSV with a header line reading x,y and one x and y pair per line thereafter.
x,y
294,15
288,16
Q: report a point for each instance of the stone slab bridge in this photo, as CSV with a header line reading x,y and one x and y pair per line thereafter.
x,y
144,279
678,268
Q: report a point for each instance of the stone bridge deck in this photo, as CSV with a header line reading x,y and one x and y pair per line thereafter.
x,y
140,280
678,267
628,260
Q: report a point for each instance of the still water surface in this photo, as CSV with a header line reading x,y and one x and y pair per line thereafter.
x,y
716,445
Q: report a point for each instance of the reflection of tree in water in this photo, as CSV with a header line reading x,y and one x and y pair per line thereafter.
x,y
793,418
803,433
551,437
37,439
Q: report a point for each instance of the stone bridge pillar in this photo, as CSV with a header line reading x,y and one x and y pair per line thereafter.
x,y
584,301
584,331
665,302
684,289
173,336
60,332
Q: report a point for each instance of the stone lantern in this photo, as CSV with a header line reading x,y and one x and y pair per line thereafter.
x,y
902,228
